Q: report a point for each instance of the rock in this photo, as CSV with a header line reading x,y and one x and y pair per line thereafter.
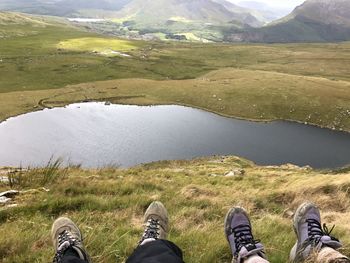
x,y
307,167
213,175
45,189
288,213
290,166
235,172
230,174
9,194
4,179
11,205
214,96
4,200
34,191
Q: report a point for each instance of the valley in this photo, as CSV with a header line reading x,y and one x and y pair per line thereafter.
x,y
101,100
298,82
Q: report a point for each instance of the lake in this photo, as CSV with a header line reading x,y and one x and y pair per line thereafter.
x,y
95,135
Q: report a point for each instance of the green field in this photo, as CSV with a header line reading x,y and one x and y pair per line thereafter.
x,y
108,204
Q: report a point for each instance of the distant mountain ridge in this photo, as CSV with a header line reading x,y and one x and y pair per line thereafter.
x,y
313,21
65,8
203,20
218,11
266,12
209,11
195,20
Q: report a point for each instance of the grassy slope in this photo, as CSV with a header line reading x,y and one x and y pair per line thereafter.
x,y
37,57
247,94
108,204
33,61
36,61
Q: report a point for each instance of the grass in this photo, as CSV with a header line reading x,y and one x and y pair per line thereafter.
x,y
97,44
229,91
108,204
37,177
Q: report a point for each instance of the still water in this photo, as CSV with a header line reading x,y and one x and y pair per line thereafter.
x,y
95,135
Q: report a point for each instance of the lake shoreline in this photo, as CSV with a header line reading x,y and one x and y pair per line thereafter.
x,y
95,134
43,106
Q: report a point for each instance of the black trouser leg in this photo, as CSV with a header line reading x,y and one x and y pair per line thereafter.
x,y
70,256
159,251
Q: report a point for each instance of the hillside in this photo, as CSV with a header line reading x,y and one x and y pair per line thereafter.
x,y
66,8
313,21
44,62
160,11
197,10
7,18
108,204
195,20
185,20
14,25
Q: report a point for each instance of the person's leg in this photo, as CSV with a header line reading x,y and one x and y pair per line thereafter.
x,y
314,241
330,255
153,246
239,235
68,242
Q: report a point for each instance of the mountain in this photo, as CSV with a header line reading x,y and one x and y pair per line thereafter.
x,y
209,11
313,21
197,20
143,11
66,8
267,12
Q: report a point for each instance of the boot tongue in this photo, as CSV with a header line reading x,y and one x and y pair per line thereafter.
x,y
249,250
330,242
324,241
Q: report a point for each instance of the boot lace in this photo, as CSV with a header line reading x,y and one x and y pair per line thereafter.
x,y
152,230
65,240
316,232
243,237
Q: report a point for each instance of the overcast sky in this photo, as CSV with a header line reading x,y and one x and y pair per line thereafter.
x,y
288,4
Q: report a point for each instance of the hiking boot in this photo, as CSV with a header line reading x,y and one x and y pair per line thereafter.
x,y
67,236
239,235
156,221
311,236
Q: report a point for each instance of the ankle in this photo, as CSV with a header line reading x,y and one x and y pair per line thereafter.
x,y
71,252
147,240
330,255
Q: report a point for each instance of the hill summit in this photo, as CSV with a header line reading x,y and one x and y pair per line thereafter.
x,y
313,21
158,11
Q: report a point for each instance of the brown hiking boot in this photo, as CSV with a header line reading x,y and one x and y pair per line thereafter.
x,y
156,221
66,235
